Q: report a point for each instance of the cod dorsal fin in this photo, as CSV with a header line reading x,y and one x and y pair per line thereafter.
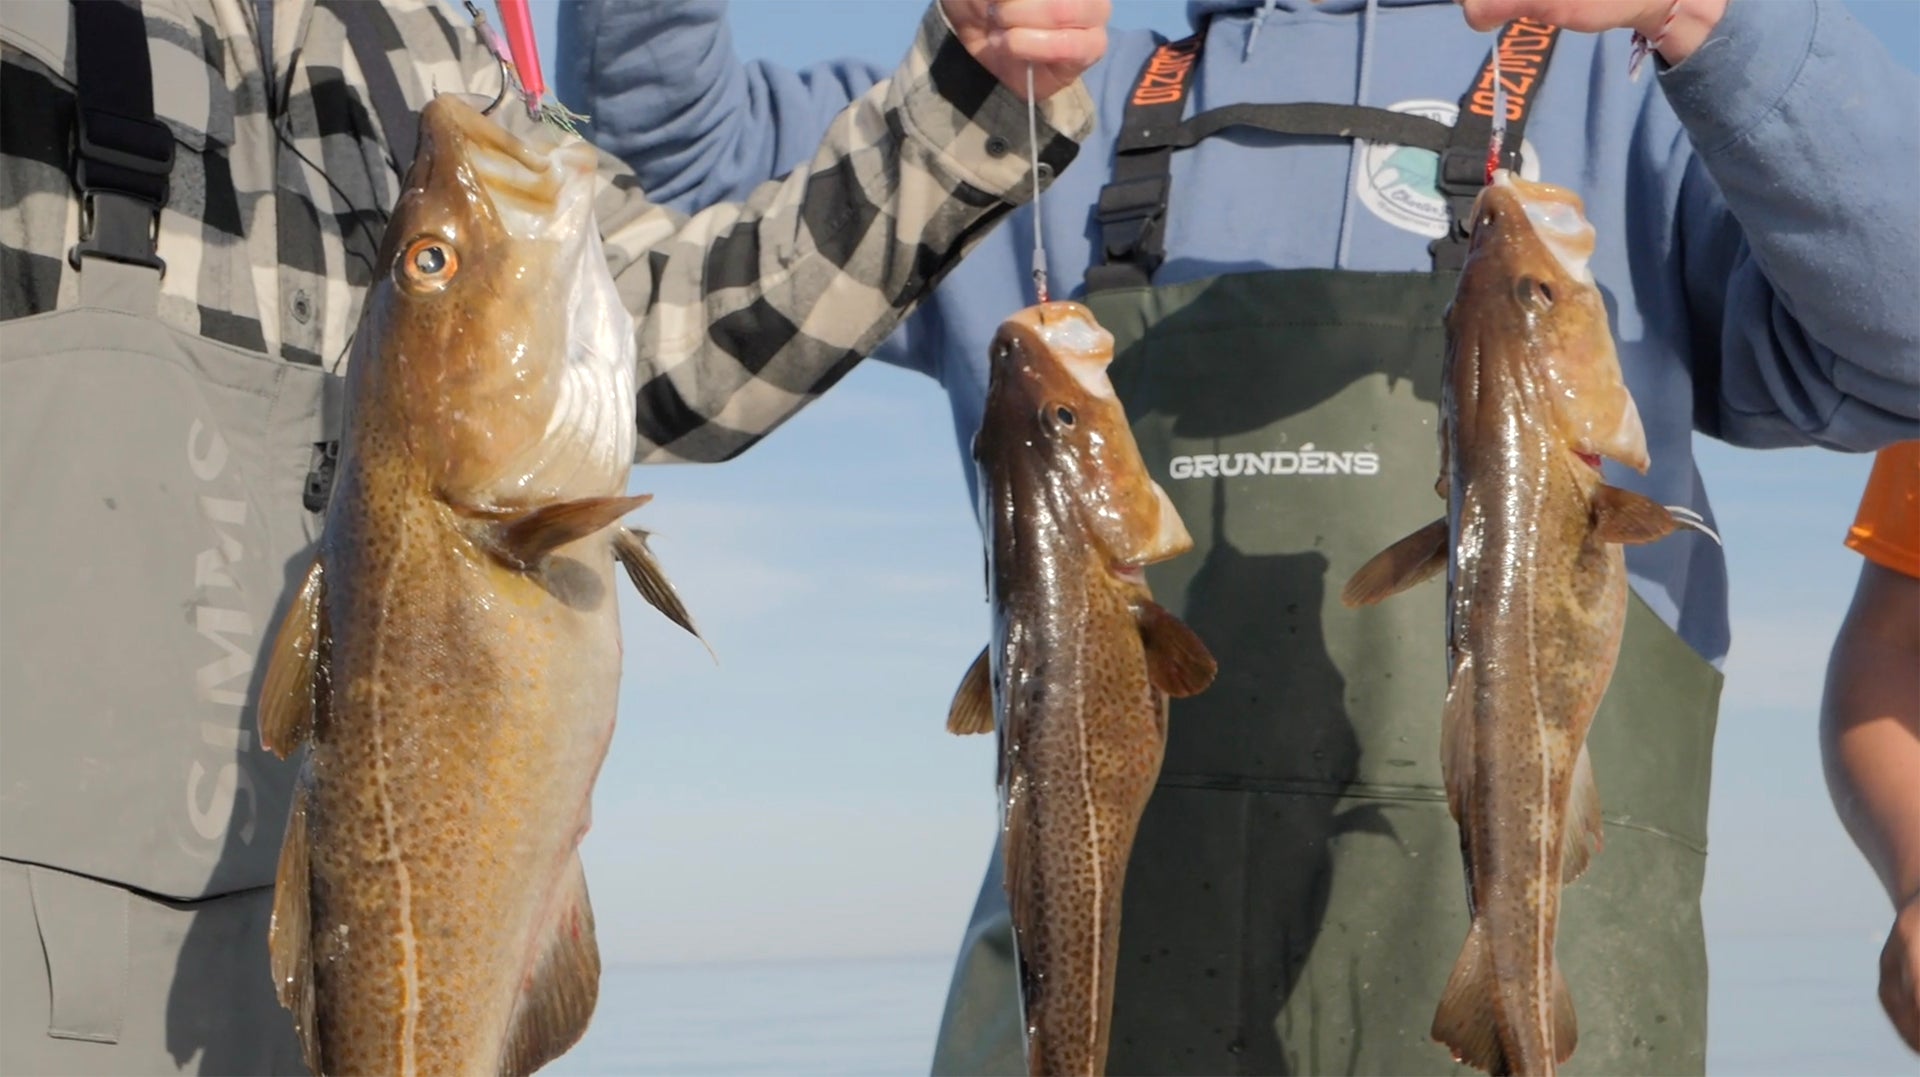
x,y
1178,663
630,546
294,689
1566,1026
1456,739
972,708
522,538
563,985
290,932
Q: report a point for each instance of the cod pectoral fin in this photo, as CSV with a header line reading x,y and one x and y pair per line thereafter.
x,y
630,546
1626,517
563,984
1583,835
521,538
1402,565
291,691
1178,663
972,708
290,934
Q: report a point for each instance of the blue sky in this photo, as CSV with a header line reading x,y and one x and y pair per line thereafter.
x,y
802,798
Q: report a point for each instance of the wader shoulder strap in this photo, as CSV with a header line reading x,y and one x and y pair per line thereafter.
x,y
122,156
1131,214
1524,47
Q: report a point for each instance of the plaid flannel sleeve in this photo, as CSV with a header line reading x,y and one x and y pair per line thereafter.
x,y
748,311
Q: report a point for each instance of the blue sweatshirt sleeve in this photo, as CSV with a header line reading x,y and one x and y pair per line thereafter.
x,y
667,95
1799,229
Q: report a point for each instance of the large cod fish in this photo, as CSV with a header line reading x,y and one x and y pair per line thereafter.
x,y
1080,667
1532,399
452,659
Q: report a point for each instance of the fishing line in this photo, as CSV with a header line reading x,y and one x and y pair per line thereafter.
x,y
1498,139
1033,158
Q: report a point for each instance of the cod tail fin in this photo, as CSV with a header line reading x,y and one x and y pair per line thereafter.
x,y
1467,1021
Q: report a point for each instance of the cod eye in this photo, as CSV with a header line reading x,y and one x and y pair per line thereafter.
x,y
1061,415
428,264
1534,294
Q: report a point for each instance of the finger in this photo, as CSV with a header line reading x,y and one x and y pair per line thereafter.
x,y
1065,48
1052,14
1484,15
969,18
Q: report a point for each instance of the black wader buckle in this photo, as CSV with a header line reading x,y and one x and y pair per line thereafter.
x,y
319,488
1130,213
1127,209
1461,176
121,166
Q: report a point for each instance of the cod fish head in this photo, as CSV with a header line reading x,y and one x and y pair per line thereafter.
x,y
1052,416
493,341
1527,296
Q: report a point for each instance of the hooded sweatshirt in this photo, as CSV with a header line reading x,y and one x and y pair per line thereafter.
x,y
1758,234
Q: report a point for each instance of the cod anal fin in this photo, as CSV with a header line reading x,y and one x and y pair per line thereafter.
x,y
1412,560
523,538
293,689
290,932
563,984
1628,518
651,581
1466,1020
1178,663
972,708
1583,834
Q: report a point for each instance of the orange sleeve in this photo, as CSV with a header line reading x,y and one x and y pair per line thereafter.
x,y
1887,529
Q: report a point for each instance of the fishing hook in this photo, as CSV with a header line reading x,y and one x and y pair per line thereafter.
x,y
480,23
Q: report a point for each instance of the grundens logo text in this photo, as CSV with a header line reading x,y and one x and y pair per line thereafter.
x,y
1306,460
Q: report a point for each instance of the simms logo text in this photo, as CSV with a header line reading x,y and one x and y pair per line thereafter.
x,y
1305,460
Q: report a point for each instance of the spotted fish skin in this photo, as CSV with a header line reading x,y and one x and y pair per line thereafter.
x,y
1531,547
1082,662
450,665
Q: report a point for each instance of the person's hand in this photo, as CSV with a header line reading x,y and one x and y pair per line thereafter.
x,y
1692,19
1900,973
1060,38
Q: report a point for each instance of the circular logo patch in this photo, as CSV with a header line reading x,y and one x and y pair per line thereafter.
x,y
1400,184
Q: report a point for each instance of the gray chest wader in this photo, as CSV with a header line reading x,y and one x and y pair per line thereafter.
x,y
1296,898
156,489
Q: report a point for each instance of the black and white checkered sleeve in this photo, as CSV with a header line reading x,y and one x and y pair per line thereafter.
x,y
747,311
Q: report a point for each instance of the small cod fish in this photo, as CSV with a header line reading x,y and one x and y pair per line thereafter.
x,y
452,659
1080,668
1532,399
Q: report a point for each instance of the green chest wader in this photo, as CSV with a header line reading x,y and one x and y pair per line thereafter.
x,y
155,490
1296,898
